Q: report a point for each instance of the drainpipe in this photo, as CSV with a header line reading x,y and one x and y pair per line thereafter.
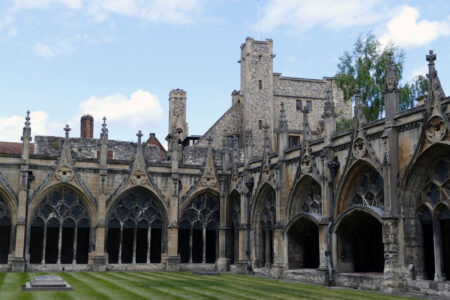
x,y
334,167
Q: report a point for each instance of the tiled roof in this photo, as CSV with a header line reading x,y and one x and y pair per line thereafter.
x,y
13,148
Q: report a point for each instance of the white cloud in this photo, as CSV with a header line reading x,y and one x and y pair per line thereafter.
x,y
423,70
141,108
166,11
59,46
405,30
11,127
305,14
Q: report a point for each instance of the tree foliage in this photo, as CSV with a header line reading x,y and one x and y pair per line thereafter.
x,y
366,67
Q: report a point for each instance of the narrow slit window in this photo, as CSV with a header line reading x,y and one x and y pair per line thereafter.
x,y
260,84
260,126
309,105
298,105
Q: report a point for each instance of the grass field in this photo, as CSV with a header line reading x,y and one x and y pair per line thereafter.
x,y
134,285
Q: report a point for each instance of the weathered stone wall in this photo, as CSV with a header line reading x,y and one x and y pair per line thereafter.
x,y
90,148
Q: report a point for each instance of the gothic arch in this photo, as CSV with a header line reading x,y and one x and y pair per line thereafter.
x,y
357,240
35,202
130,189
136,226
198,237
10,202
352,177
302,234
60,227
191,198
311,197
263,220
6,230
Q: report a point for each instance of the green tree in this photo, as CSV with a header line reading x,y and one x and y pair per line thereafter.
x,y
366,67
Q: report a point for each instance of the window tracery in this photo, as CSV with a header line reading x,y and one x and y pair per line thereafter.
x,y
368,189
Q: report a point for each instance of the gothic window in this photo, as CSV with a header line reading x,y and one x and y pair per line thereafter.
x,y
60,230
198,237
265,223
294,140
135,229
298,105
307,198
5,231
230,141
368,189
437,187
435,221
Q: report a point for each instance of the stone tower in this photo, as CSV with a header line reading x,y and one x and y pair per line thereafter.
x,y
177,113
257,89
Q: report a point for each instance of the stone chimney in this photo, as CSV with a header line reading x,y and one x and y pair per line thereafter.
x,y
87,127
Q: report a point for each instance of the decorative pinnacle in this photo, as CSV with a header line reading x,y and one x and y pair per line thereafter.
x,y
391,79
329,95
431,57
27,119
67,129
139,135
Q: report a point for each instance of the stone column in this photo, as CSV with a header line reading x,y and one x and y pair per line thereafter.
x,y
204,244
18,259
100,258
223,263
438,255
59,243
75,237
242,260
173,259
149,240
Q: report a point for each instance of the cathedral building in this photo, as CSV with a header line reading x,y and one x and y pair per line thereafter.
x,y
271,188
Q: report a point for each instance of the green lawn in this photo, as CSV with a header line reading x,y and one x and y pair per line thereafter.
x,y
159,285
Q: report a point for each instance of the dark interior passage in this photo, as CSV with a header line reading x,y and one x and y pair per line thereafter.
x,y
210,244
113,242
303,248
141,245
360,245
197,244
51,249
36,238
445,229
68,232
127,243
5,236
183,242
428,248
83,243
155,245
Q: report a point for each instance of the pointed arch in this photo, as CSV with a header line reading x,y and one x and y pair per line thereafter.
x,y
136,227
6,229
10,202
351,178
358,241
37,199
307,191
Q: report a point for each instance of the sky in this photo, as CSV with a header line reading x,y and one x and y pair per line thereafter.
x,y
61,59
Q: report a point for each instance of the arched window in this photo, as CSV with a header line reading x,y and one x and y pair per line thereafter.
x,y
5,231
434,216
198,230
135,228
368,189
263,222
60,230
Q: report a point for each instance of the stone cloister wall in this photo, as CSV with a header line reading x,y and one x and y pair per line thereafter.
x,y
372,178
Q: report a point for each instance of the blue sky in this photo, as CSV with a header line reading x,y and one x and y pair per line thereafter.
x,y
121,58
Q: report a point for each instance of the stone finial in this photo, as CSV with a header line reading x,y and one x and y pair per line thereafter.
x,y
139,135
67,129
283,123
391,78
27,129
104,128
431,57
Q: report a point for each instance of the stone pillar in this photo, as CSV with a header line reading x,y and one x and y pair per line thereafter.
x,y
100,258
242,261
18,261
438,255
223,262
392,265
